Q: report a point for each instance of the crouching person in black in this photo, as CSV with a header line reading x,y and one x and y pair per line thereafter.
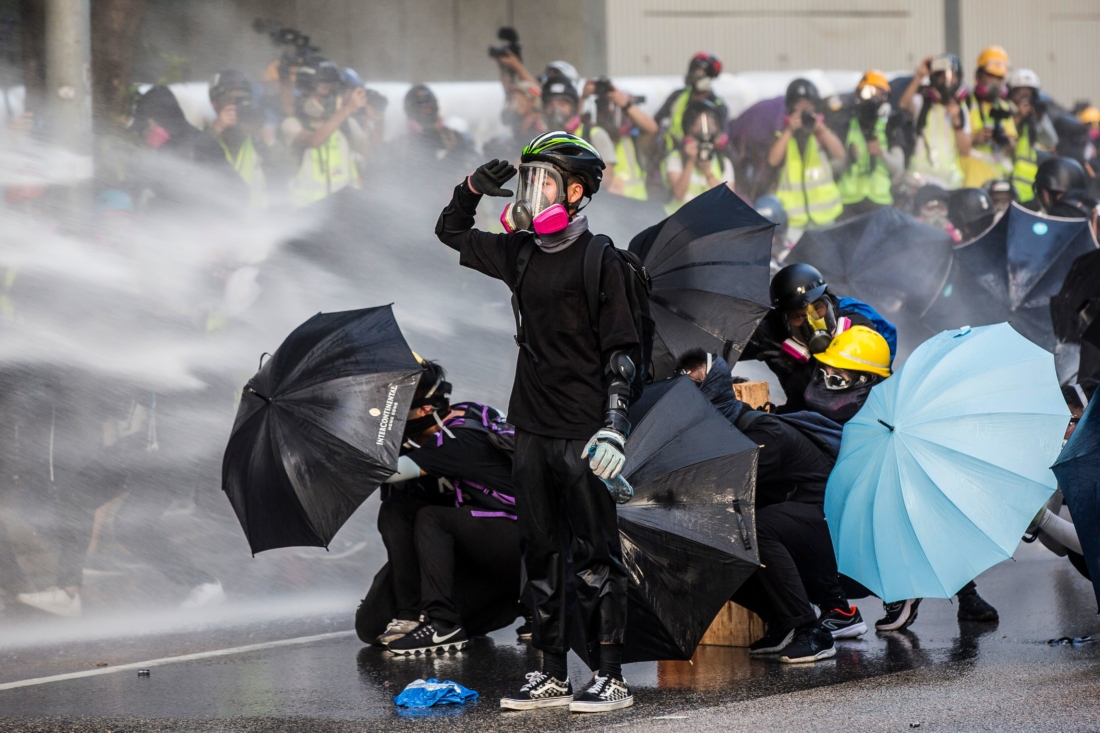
x,y
798,565
448,521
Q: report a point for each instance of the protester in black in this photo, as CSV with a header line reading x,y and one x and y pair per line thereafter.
x,y
449,525
569,398
798,564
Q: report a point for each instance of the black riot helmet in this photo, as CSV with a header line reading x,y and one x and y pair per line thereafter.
x,y
228,81
1059,175
796,286
570,154
802,89
971,211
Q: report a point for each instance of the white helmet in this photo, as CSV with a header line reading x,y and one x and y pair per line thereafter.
x,y
566,69
1021,78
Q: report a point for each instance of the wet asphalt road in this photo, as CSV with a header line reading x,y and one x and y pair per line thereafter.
x,y
942,674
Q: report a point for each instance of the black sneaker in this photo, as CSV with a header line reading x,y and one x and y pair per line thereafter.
x,y
811,644
899,615
972,607
843,624
541,691
604,694
428,638
774,641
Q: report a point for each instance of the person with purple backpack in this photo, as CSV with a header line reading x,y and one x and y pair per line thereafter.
x,y
448,522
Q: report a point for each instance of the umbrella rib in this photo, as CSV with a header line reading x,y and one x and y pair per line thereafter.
x,y
969,521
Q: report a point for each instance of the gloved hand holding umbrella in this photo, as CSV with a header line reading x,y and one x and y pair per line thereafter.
x,y
945,465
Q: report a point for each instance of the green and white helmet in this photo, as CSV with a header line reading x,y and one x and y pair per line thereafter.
x,y
569,153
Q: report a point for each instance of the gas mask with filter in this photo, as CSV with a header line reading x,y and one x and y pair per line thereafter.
x,y
814,334
532,209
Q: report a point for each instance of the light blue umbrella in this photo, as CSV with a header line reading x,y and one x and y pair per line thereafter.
x,y
947,462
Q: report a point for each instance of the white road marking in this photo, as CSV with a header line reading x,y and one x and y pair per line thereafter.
x,y
172,660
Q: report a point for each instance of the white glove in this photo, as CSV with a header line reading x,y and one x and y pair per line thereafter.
x,y
608,458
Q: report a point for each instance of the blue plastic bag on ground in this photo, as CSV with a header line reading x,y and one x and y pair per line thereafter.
x,y
426,693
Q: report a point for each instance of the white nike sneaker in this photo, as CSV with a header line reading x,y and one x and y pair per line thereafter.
x,y
53,600
430,637
205,594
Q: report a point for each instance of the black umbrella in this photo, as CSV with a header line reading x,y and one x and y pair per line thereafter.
x,y
319,428
689,533
1022,262
1078,472
887,259
709,266
1075,307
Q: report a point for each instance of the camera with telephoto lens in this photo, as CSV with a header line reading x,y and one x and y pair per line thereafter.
x,y
511,44
707,149
248,114
297,45
809,120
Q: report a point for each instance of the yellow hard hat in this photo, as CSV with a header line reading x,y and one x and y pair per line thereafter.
x,y
859,349
873,78
1089,116
994,60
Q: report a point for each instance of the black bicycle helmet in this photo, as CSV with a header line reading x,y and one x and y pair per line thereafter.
x,y
796,286
318,70
571,154
1059,175
227,81
801,89
971,211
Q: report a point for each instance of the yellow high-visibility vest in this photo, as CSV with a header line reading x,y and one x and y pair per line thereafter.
x,y
247,165
806,187
867,177
1025,167
324,171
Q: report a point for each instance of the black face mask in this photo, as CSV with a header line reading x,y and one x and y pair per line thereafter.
x,y
838,405
417,425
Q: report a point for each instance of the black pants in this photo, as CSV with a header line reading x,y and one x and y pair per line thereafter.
x,y
450,536
571,544
397,525
799,566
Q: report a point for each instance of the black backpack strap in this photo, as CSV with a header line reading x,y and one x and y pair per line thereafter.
x,y
523,258
593,265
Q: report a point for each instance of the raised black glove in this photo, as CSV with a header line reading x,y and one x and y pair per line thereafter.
x,y
489,178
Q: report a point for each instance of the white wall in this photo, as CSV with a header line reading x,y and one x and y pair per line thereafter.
x,y
659,36
1058,39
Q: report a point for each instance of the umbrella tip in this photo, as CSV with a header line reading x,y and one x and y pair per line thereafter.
x,y
888,425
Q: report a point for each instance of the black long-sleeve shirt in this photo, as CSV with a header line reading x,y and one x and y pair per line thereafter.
x,y
561,390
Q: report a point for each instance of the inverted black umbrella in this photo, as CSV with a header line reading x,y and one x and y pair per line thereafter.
x,y
887,259
1078,472
1022,262
689,533
319,428
708,264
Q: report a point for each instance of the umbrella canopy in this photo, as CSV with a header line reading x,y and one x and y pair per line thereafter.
x,y
1078,472
945,465
887,259
689,533
1074,309
1022,262
708,264
319,428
